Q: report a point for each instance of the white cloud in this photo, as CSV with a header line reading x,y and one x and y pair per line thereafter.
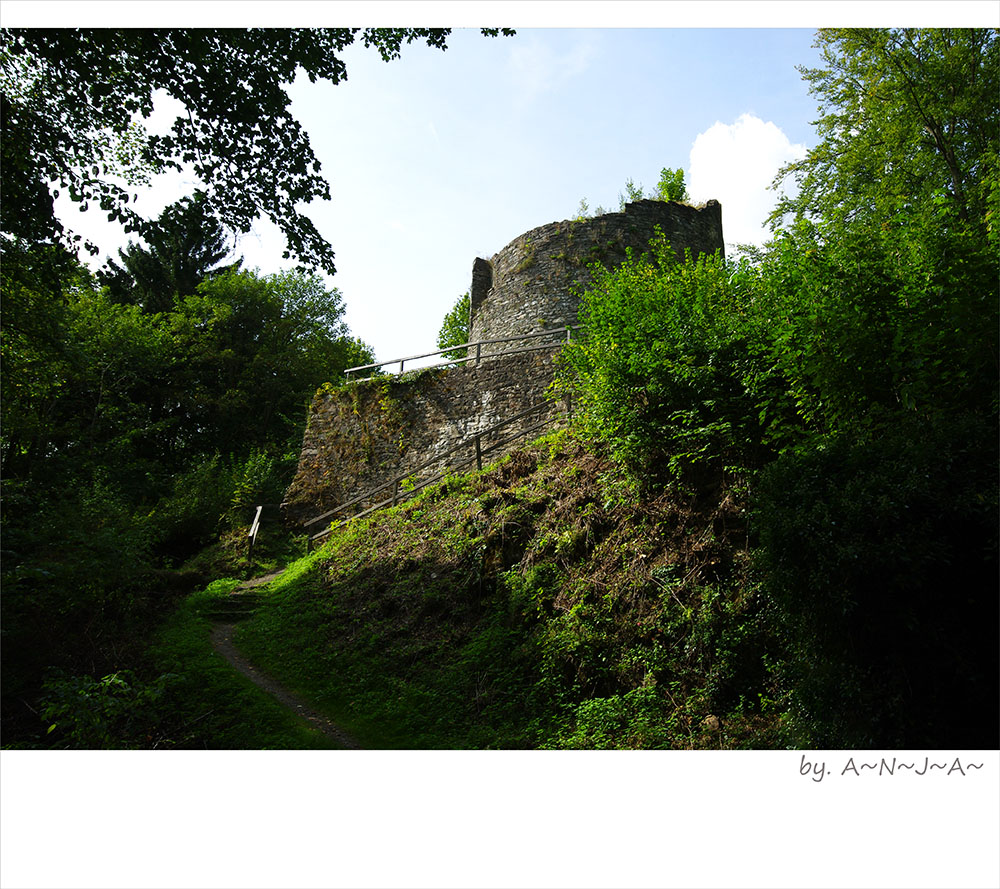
x,y
735,164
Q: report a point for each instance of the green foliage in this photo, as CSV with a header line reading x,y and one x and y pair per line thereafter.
x,y
181,696
633,192
130,439
255,346
255,483
33,353
74,583
186,245
639,718
455,328
114,712
909,116
528,260
831,401
207,704
849,372
508,609
661,374
145,413
211,496
70,100
880,556
89,382
865,387
671,186
685,362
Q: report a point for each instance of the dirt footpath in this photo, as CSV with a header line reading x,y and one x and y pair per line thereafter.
x,y
222,641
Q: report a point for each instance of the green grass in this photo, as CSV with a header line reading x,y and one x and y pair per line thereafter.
x,y
209,704
386,679
522,607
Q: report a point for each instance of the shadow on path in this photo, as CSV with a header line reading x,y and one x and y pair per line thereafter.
x,y
222,642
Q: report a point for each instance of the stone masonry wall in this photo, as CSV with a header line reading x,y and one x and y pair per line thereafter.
x,y
528,286
361,436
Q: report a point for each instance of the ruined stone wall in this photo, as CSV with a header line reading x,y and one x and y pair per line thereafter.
x,y
361,436
528,286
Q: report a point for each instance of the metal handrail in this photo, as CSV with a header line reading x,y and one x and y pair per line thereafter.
x,y
399,497
477,457
436,459
478,345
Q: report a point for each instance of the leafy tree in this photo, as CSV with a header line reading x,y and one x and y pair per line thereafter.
x,y
129,438
72,101
455,328
91,384
848,372
633,192
671,186
86,384
186,244
909,122
32,346
252,346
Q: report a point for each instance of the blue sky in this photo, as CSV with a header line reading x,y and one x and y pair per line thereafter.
x,y
437,158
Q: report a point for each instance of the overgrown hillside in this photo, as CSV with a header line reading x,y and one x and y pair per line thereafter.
x,y
539,603
790,536
525,606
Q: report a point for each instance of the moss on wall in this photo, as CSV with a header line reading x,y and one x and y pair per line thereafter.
x,y
363,435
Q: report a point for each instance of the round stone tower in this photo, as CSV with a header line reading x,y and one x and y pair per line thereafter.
x,y
528,286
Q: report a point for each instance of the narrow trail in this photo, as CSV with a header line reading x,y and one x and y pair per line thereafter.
x,y
222,642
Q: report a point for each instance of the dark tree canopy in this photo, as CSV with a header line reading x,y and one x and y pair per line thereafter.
x,y
72,103
185,246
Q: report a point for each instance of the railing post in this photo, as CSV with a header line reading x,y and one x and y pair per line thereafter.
x,y
479,454
479,351
254,528
401,365
395,491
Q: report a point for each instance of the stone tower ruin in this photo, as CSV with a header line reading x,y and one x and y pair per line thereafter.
x,y
528,286
365,434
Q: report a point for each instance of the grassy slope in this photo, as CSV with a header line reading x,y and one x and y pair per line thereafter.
x,y
210,704
527,606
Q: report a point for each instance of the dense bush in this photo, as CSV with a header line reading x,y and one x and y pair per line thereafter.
x,y
132,438
881,556
854,385
667,375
